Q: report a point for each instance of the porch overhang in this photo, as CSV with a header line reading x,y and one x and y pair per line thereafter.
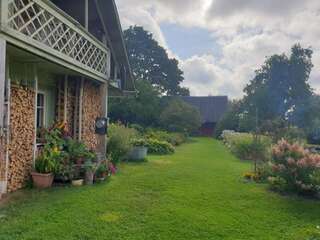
x,y
41,28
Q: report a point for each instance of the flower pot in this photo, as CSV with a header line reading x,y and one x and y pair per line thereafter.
x,y
89,177
77,183
42,180
138,153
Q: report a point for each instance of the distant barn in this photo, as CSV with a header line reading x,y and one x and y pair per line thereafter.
x,y
211,110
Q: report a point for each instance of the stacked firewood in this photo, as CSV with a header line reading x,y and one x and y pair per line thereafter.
x,y
2,157
92,109
22,128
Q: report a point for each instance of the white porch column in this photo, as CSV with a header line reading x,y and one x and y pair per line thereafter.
x,y
2,116
104,105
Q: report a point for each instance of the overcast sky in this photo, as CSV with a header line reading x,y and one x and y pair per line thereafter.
x,y
220,43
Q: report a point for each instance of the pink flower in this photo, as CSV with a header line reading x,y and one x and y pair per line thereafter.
x,y
291,162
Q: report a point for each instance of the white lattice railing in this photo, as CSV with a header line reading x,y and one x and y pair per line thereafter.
x,y
41,22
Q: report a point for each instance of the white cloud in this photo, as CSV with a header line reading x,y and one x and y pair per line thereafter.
x,y
246,31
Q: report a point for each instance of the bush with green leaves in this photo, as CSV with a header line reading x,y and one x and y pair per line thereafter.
x,y
120,141
49,160
159,147
175,139
246,146
139,142
294,169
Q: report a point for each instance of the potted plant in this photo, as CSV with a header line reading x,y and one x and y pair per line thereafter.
x,y
139,151
101,172
90,167
77,151
46,165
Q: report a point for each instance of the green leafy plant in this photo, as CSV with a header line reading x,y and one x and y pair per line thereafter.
x,y
174,138
120,141
139,142
102,170
159,147
48,161
246,147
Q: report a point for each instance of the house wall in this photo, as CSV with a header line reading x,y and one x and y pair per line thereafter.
x,y
92,109
22,136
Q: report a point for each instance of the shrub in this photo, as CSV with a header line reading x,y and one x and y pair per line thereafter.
x,y
175,139
120,141
295,169
291,134
137,127
313,132
159,147
245,147
139,142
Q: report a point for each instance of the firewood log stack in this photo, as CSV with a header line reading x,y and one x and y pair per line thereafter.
x,y
71,104
2,157
91,110
22,127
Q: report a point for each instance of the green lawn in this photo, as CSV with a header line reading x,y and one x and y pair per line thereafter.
x,y
196,193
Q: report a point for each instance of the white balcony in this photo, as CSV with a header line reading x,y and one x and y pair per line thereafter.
x,y
40,27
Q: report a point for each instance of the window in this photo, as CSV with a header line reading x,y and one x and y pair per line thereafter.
x,y
40,110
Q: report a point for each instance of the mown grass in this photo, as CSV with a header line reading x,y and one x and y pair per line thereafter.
x,y
197,193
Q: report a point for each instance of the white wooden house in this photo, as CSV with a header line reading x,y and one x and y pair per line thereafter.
x,y
59,60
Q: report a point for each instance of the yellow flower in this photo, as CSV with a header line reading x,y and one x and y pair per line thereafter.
x,y
56,150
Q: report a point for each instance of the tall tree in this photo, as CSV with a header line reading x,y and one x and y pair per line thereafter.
x,y
150,62
280,86
143,109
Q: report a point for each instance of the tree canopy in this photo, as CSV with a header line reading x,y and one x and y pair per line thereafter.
x,y
143,109
280,87
179,116
150,62
278,97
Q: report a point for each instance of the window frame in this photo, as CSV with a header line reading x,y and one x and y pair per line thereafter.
x,y
44,107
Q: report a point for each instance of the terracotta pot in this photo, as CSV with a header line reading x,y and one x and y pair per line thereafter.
x,y
42,180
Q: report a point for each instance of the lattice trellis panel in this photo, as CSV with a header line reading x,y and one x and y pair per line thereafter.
x,y
33,20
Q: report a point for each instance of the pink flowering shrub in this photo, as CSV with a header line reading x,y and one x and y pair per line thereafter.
x,y
295,169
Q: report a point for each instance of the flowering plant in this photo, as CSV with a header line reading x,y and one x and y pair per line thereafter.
x,y
295,169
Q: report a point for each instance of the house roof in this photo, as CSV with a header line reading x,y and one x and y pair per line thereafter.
x,y
112,22
211,108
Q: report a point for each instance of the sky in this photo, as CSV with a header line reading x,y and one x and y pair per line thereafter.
x,y
220,43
